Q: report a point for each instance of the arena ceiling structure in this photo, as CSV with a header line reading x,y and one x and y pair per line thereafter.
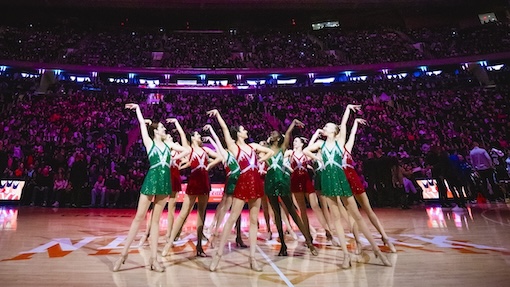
x,y
268,4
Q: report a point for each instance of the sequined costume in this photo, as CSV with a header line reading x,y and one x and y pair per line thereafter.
x,y
352,176
317,168
277,181
175,175
333,180
233,172
198,180
157,180
249,185
300,180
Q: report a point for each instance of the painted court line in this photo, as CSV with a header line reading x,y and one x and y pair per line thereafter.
x,y
280,273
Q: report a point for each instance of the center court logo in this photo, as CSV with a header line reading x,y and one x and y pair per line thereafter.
x,y
61,247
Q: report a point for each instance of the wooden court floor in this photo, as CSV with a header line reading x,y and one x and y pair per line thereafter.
x,y
77,247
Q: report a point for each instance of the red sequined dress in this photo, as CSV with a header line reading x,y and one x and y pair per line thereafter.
x,y
249,185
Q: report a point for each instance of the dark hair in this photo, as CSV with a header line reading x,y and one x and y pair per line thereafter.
x,y
303,139
233,132
190,135
281,138
153,126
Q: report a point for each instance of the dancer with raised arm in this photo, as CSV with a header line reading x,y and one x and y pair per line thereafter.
x,y
249,187
198,185
357,187
175,178
156,185
277,187
334,183
233,171
301,184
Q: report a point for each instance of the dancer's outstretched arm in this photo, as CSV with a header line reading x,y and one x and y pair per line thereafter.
x,y
226,132
288,133
215,141
147,141
343,125
350,143
182,134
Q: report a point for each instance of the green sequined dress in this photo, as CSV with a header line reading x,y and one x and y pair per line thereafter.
x,y
277,180
157,181
233,173
333,179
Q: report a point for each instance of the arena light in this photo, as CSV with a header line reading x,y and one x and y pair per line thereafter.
x,y
217,82
82,79
187,82
397,76
3,68
324,80
348,73
202,77
57,72
118,81
255,82
423,68
274,76
435,73
495,67
27,75
286,82
483,63
359,78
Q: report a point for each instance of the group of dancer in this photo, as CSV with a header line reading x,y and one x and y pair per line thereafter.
x,y
285,177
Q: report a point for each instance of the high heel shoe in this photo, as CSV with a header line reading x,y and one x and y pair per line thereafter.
x,y
119,262
143,240
347,261
313,250
200,252
166,249
283,250
390,245
359,248
240,243
254,265
385,261
211,240
215,262
293,235
156,266
329,237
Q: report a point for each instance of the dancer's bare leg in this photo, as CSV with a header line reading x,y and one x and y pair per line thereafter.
x,y
144,202
202,206
172,199
187,206
314,204
352,209
159,205
337,221
365,205
235,212
267,215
